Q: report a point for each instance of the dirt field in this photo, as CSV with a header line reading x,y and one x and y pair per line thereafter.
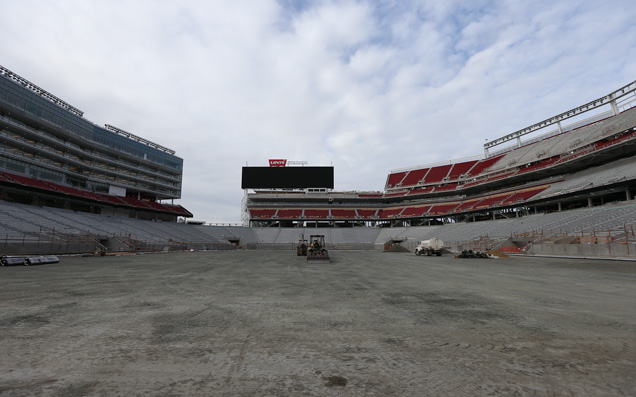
x,y
266,323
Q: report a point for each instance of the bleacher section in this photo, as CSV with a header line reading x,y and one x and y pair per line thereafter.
x,y
535,155
129,202
583,220
607,174
586,220
436,179
33,221
433,208
19,219
268,235
568,141
246,234
612,173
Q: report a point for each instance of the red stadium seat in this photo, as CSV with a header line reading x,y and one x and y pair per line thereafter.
x,y
26,181
343,213
391,212
179,210
413,177
483,165
436,174
443,208
263,213
524,195
415,211
460,169
367,213
290,213
394,179
107,198
316,213
492,200
468,204
158,206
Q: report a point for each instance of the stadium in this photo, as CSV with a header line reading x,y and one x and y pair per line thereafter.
x,y
67,182
171,306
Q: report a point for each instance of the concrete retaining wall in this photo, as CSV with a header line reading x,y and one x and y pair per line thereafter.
x,y
611,250
44,248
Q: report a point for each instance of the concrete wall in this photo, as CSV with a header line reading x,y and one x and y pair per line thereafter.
x,y
611,250
44,248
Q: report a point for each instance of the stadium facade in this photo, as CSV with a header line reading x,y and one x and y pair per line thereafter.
x,y
50,155
579,158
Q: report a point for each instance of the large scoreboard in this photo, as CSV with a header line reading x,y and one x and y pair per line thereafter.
x,y
286,177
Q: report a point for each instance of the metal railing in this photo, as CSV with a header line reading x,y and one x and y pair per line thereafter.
x,y
610,99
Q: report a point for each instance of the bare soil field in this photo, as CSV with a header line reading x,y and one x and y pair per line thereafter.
x,y
245,323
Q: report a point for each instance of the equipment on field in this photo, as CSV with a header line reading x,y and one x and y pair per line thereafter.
x,y
317,251
301,248
475,254
28,260
430,247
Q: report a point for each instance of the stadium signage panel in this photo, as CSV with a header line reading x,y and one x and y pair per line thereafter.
x,y
287,177
284,162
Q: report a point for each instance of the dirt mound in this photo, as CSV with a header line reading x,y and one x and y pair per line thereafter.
x,y
497,253
397,248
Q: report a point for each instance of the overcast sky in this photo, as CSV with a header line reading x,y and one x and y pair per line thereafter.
x,y
365,86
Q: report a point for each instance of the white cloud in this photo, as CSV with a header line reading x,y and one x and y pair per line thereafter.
x,y
367,86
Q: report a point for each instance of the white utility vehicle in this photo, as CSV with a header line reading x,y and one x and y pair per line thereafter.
x,y
430,247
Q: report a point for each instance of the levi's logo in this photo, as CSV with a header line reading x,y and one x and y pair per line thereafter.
x,y
277,163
